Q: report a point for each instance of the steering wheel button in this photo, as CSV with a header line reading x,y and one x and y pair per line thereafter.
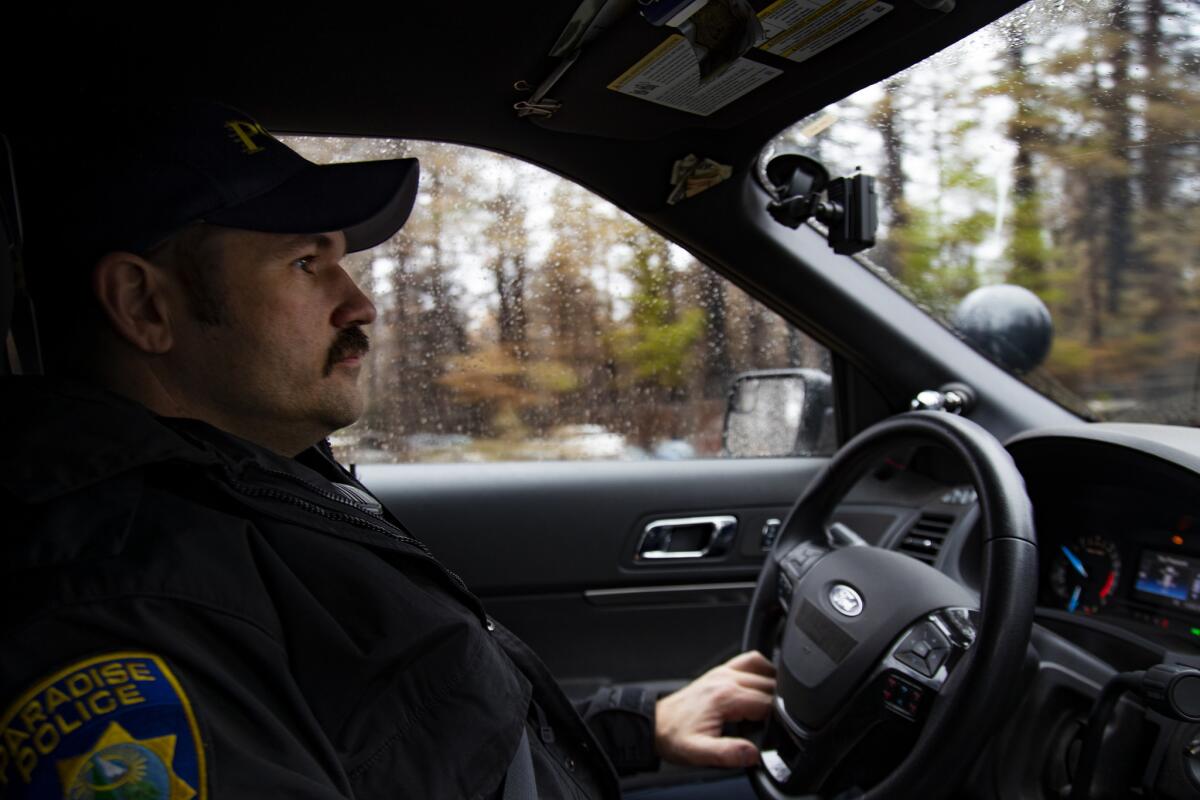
x,y
936,658
911,659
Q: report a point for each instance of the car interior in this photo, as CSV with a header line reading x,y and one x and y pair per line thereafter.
x,y
1006,559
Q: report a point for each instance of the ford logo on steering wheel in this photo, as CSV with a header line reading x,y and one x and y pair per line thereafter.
x,y
846,600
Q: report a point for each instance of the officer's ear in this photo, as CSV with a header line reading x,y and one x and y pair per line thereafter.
x,y
135,296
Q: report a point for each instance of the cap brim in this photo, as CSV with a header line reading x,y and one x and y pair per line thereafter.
x,y
367,200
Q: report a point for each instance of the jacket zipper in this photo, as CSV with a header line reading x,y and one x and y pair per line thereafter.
x,y
312,487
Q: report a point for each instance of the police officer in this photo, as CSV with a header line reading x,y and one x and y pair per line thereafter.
x,y
197,599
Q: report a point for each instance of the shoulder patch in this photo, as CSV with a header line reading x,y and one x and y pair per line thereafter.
x,y
115,726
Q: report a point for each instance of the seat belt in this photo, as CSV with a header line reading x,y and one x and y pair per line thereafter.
x,y
519,782
20,352
10,361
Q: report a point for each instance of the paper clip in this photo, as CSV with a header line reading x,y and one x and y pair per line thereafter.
x,y
538,104
544,108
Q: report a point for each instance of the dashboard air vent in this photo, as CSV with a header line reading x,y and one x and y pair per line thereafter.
x,y
924,539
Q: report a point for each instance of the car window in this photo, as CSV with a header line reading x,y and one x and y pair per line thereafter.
x,y
521,317
1054,150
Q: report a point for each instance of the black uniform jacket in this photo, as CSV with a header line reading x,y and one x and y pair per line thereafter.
x,y
185,614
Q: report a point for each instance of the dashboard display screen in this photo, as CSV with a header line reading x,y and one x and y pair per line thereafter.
x,y
1168,579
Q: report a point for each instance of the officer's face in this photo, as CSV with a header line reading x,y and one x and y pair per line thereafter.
x,y
284,359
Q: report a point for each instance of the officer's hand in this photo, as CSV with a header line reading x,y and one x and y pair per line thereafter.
x,y
687,727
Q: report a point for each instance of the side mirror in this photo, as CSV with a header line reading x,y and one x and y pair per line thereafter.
x,y
1010,324
779,412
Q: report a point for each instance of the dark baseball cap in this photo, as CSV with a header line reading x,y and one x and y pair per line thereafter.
x,y
136,176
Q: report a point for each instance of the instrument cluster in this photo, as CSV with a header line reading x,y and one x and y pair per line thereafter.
x,y
1147,575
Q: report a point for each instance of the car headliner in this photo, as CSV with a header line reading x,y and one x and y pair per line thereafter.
x,y
445,71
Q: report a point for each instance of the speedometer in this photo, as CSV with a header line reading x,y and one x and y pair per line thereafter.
x,y
1085,573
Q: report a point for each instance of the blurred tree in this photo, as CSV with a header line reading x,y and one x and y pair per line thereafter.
x,y
655,344
892,253
509,245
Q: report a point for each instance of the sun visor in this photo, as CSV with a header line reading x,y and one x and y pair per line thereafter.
x,y
638,81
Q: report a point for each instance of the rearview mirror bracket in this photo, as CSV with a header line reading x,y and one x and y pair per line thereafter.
x,y
802,189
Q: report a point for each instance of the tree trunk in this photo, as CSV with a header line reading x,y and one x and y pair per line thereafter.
x,y
1154,176
886,119
1117,186
1027,254
757,334
718,365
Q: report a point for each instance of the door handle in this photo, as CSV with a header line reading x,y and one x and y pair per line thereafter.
x,y
687,538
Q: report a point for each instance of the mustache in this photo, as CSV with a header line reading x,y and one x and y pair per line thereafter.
x,y
349,342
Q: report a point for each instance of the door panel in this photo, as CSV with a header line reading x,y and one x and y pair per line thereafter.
x,y
551,549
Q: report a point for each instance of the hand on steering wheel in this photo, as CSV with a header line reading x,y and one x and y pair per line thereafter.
x,y
890,674
689,724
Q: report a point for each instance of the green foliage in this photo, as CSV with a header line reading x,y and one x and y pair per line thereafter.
x,y
656,343
937,261
1029,251
659,353
552,377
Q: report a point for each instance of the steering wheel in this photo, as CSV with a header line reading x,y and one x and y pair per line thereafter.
x,y
890,675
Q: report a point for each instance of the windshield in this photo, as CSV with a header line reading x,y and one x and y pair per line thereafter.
x,y
1055,150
